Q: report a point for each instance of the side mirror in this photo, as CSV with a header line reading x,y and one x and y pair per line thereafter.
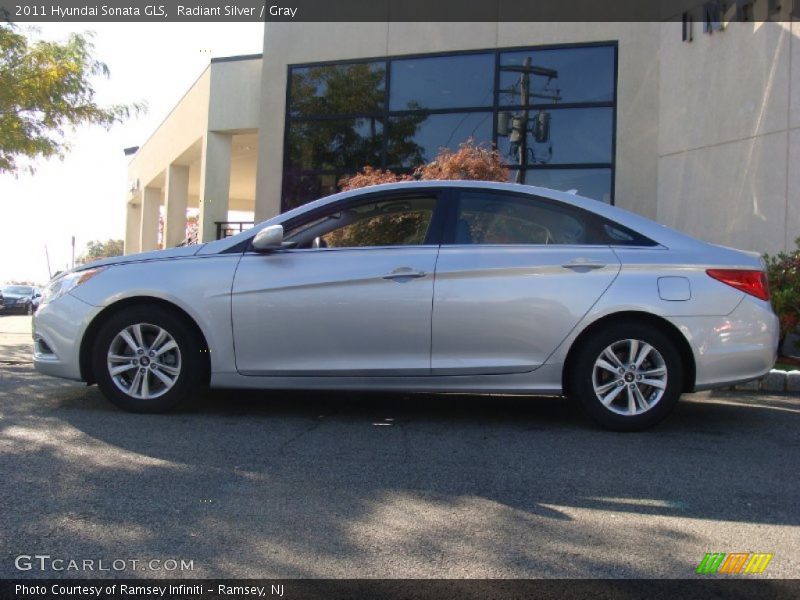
x,y
269,238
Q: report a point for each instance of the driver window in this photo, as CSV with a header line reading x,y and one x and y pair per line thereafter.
x,y
497,219
384,222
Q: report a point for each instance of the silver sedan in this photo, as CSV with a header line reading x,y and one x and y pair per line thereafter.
x,y
424,286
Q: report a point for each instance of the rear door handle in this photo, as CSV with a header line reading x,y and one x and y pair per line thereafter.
x,y
404,273
583,264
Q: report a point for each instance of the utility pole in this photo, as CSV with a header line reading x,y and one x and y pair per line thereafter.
x,y
73,251
47,255
519,134
524,91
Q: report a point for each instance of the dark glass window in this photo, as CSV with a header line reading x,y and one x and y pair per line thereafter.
x,y
551,116
486,218
576,135
334,143
591,183
442,82
416,139
298,189
345,89
558,76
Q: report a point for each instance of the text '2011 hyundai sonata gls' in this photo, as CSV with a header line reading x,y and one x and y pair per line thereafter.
x,y
422,286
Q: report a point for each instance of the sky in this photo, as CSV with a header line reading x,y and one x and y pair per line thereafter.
x,y
84,195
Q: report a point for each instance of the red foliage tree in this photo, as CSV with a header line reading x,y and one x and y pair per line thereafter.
x,y
471,161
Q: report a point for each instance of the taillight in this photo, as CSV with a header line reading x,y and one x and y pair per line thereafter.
x,y
747,281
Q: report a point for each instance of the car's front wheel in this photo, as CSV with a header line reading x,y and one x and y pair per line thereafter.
x,y
627,377
147,359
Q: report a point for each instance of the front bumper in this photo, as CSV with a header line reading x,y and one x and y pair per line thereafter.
x,y
738,347
58,329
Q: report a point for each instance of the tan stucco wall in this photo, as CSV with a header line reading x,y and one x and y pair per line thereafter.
x,y
637,108
728,143
183,126
223,101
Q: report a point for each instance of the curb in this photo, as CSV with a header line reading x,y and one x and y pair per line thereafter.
x,y
774,381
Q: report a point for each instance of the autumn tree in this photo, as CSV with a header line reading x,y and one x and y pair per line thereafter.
x,y
470,161
45,91
476,162
371,176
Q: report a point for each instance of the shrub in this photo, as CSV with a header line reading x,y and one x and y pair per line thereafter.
x,y
783,273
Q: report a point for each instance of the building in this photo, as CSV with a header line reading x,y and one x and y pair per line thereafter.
x,y
700,134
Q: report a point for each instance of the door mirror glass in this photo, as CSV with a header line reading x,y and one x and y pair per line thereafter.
x,y
269,238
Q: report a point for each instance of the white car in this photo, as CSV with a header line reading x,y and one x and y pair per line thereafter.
x,y
424,286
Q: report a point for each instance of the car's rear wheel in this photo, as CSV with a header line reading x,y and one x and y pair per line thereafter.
x,y
147,359
627,377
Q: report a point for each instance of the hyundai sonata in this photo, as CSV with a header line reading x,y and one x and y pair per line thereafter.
x,y
423,286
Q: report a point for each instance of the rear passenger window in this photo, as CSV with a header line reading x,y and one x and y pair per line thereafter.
x,y
496,219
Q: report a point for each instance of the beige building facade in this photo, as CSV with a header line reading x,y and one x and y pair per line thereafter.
x,y
705,135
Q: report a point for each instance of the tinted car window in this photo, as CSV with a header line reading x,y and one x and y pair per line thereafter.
x,y
384,222
489,218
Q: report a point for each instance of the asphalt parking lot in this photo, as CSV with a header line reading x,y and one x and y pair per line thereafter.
x,y
374,485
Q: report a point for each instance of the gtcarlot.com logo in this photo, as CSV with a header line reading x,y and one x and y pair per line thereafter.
x,y
748,563
45,562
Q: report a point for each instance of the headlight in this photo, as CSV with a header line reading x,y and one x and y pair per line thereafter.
x,y
57,288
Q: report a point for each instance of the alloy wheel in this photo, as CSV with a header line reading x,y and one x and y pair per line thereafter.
x,y
629,377
144,361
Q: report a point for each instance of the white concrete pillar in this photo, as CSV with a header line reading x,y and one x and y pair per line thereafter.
x,y
151,202
133,225
215,183
177,197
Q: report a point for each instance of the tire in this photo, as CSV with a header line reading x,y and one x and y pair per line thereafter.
x,y
626,408
174,357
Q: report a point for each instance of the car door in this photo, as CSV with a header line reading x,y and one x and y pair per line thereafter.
x,y
516,275
352,298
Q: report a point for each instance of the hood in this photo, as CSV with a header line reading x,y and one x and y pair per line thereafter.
x,y
179,252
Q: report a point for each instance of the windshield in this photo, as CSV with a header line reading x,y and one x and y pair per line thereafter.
x,y
17,289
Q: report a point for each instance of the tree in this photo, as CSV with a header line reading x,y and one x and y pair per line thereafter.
x,y
46,89
471,161
96,250
369,176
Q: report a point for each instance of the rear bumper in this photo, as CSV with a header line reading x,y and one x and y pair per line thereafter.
x,y
735,348
58,329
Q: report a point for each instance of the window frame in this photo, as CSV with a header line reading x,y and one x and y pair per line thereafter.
x,y
494,107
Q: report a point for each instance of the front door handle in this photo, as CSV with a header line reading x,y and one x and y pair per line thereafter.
x,y
583,264
404,273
